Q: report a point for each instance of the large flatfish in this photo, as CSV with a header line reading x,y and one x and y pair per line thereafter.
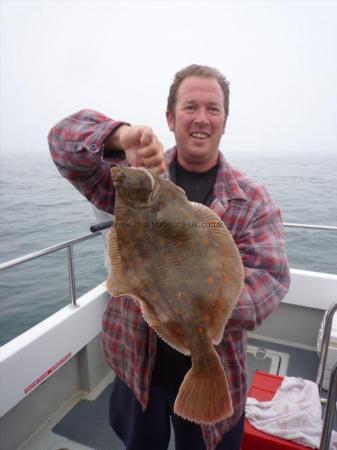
x,y
181,266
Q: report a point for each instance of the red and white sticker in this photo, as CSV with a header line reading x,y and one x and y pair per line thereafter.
x,y
47,373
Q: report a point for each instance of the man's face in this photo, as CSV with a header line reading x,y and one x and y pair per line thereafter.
x,y
198,122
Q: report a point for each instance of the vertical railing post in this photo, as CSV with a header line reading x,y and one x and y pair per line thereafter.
x,y
329,411
72,286
325,344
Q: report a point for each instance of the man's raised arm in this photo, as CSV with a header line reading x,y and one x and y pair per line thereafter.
x,y
85,145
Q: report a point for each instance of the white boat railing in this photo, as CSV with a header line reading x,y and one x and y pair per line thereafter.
x,y
95,232
69,245
311,227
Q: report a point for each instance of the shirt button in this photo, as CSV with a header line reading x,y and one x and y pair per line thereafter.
x,y
92,146
75,146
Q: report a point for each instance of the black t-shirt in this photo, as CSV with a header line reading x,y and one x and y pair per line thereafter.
x,y
171,366
197,185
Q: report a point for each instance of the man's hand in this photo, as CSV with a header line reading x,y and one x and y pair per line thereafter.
x,y
141,146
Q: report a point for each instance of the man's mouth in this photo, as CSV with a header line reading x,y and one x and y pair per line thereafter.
x,y
199,135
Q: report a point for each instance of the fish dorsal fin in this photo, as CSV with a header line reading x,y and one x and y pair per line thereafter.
x,y
233,273
117,281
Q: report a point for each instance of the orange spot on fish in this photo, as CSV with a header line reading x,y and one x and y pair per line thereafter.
x,y
210,280
205,318
206,242
179,295
200,330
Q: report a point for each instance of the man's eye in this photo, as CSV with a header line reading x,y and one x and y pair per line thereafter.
x,y
214,109
189,108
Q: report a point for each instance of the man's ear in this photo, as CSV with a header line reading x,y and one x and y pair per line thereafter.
x,y
170,120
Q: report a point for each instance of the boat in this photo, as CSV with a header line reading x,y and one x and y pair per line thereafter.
x,y
54,384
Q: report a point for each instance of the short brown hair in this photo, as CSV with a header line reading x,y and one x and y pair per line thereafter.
x,y
196,70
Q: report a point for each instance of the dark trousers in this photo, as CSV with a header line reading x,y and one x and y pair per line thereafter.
x,y
150,430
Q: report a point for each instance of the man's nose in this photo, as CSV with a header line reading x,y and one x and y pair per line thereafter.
x,y
201,116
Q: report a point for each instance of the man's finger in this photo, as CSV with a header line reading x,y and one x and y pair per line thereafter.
x,y
160,169
155,147
146,136
153,161
149,151
134,158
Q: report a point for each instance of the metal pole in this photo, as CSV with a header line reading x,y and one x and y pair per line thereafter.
x,y
325,344
72,287
45,251
310,226
329,411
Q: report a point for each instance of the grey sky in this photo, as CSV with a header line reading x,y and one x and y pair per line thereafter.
x,y
120,57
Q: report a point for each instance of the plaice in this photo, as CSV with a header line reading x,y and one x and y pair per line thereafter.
x,y
181,266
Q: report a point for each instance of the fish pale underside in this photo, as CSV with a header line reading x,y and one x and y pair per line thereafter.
x,y
181,266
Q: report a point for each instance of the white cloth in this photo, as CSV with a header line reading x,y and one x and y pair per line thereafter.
x,y
294,413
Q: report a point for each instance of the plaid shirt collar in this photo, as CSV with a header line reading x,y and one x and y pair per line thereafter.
x,y
223,192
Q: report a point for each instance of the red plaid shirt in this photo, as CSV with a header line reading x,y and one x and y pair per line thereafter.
x,y
129,345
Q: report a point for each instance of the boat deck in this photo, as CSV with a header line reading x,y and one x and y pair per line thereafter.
x,y
83,423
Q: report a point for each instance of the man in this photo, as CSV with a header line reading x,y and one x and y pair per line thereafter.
x,y
84,147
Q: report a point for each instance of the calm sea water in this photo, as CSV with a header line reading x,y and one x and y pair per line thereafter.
x,y
38,208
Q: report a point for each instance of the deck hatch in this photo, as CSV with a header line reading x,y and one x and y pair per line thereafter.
x,y
270,361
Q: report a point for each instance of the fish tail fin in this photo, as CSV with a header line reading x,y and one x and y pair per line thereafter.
x,y
204,395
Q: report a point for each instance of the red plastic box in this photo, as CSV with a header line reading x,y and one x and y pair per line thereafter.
x,y
263,388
